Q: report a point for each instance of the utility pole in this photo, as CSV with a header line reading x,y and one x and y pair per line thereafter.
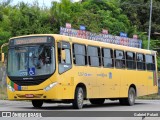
x,y
150,21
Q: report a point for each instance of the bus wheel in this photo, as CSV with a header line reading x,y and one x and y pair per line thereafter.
x,y
131,96
78,98
37,103
97,101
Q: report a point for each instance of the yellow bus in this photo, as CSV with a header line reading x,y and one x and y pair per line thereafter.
x,y
58,68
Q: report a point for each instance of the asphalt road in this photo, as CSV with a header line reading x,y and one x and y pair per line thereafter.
x,y
140,105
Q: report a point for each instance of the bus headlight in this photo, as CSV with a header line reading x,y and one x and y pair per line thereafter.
x,y
10,88
50,86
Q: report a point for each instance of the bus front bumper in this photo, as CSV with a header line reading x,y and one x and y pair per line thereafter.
x,y
49,92
57,92
30,95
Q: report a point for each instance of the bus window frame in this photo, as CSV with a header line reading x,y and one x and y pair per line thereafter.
x,y
113,57
141,62
153,56
121,60
58,56
74,54
100,57
134,60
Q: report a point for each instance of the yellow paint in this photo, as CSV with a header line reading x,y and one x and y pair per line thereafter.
x,y
97,86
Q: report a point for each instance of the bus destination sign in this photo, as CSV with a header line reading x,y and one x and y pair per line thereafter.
x,y
30,40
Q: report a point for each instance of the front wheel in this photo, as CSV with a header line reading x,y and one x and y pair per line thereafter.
x,y
78,98
37,103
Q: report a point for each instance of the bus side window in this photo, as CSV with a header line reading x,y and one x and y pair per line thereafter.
x,y
107,57
64,56
140,61
150,62
94,56
130,60
79,54
154,64
119,59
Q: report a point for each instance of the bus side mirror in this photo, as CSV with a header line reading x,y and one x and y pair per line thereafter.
x,y
63,54
2,57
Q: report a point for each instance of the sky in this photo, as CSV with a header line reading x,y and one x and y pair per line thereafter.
x,y
41,2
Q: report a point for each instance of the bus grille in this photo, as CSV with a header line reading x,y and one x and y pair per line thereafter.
x,y
28,82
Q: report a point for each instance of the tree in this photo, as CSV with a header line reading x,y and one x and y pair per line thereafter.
x,y
138,12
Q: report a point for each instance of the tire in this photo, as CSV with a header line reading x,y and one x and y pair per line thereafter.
x,y
78,98
97,101
131,98
37,103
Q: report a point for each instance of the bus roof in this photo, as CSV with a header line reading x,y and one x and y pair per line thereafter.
x,y
104,44
91,42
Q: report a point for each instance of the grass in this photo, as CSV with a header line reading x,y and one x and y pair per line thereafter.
x,y
3,92
1,64
150,97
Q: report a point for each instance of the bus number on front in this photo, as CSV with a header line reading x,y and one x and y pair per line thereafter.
x,y
24,88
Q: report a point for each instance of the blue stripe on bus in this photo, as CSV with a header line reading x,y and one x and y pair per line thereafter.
x,y
19,87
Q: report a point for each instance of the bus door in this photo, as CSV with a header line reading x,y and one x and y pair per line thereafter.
x,y
64,66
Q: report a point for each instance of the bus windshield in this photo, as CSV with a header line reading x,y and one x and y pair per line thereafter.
x,y
33,60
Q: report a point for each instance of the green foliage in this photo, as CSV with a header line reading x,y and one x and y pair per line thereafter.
x,y
138,12
24,19
130,16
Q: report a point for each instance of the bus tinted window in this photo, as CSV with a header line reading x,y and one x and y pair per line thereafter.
x,y
150,62
107,55
140,61
79,54
119,59
94,56
130,60
67,59
64,56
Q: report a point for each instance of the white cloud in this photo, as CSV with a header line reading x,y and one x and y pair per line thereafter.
x,y
41,2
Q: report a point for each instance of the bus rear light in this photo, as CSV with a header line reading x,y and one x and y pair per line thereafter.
x,y
50,86
10,88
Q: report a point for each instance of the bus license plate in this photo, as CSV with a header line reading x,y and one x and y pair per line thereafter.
x,y
29,95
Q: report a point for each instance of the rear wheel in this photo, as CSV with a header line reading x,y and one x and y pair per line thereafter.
x,y
37,103
131,98
97,101
78,98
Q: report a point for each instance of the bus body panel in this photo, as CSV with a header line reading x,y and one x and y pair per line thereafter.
x,y
100,82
